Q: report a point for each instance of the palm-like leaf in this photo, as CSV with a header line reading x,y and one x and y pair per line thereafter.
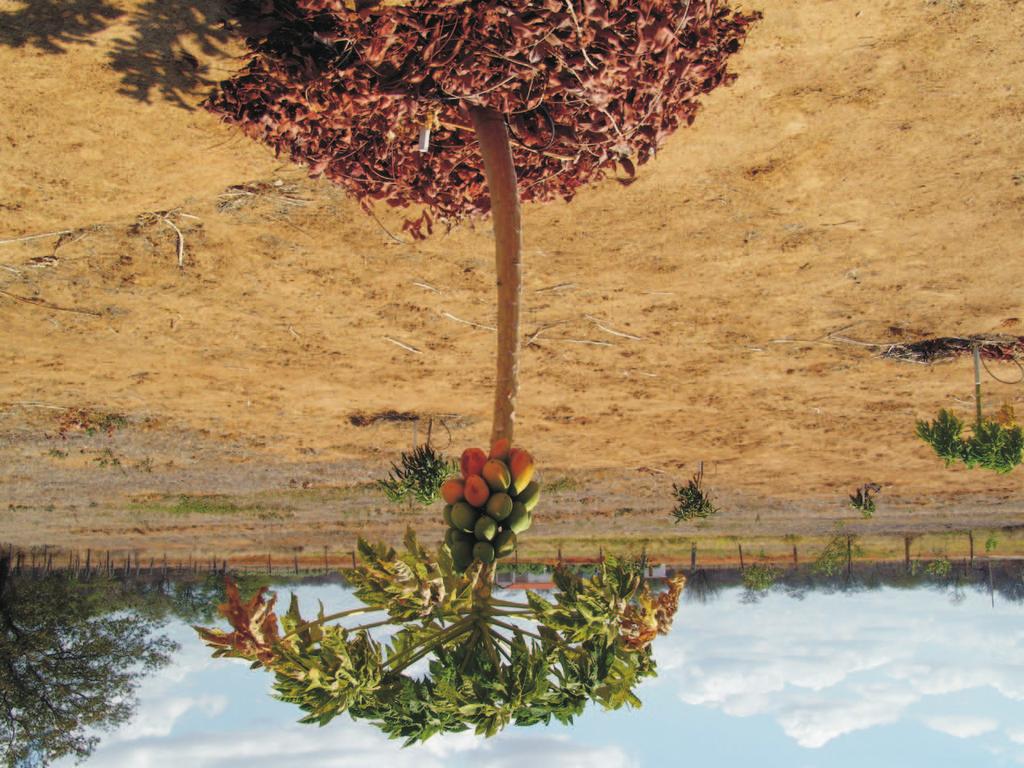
x,y
485,671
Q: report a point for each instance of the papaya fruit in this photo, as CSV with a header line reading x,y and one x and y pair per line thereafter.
x,y
462,554
463,517
483,552
520,464
499,506
500,449
452,490
485,528
447,515
505,543
453,535
496,475
529,496
519,520
477,491
472,462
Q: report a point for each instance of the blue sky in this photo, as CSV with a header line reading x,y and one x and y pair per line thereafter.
x,y
881,678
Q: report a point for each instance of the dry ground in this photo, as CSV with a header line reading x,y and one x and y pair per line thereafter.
x,y
863,176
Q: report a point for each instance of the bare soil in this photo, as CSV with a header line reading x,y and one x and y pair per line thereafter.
x,y
862,181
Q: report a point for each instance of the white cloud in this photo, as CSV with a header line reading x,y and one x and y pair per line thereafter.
x,y
961,726
832,665
344,744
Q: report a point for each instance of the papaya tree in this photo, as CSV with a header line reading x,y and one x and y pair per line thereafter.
x,y
461,108
991,445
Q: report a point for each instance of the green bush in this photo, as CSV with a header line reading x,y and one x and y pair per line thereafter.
x,y
760,578
990,445
691,500
421,474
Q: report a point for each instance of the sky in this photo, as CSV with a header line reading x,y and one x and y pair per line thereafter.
x,y
881,678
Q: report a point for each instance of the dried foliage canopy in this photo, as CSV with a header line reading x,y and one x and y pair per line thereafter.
x,y
589,87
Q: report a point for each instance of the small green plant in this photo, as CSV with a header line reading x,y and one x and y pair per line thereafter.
x,y
692,503
991,543
760,578
57,453
939,569
146,465
863,501
560,484
836,554
108,459
421,474
991,445
203,505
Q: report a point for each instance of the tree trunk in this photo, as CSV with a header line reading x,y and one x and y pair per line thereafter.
x,y
501,183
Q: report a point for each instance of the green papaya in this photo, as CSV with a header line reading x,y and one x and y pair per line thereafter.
x,y
530,496
463,517
483,552
485,528
520,518
462,555
505,543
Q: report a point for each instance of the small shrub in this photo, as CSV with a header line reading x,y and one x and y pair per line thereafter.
x,y
833,558
691,500
939,569
863,501
421,474
991,445
991,543
760,578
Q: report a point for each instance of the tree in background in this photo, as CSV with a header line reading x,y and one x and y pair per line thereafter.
x,y
69,665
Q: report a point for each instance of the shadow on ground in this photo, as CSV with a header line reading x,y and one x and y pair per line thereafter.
x,y
159,57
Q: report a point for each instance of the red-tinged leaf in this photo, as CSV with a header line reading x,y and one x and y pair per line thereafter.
x,y
255,634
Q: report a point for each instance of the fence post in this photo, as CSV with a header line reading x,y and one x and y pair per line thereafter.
x,y
693,556
742,566
970,537
796,558
906,552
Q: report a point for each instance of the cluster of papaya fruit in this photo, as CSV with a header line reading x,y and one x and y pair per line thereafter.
x,y
490,504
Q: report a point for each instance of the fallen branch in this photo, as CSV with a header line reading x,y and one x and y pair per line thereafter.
x,y
37,237
450,316
181,242
48,305
612,332
406,347
586,341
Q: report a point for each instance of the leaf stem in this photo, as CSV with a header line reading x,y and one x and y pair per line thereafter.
x,y
513,628
331,617
509,604
416,652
